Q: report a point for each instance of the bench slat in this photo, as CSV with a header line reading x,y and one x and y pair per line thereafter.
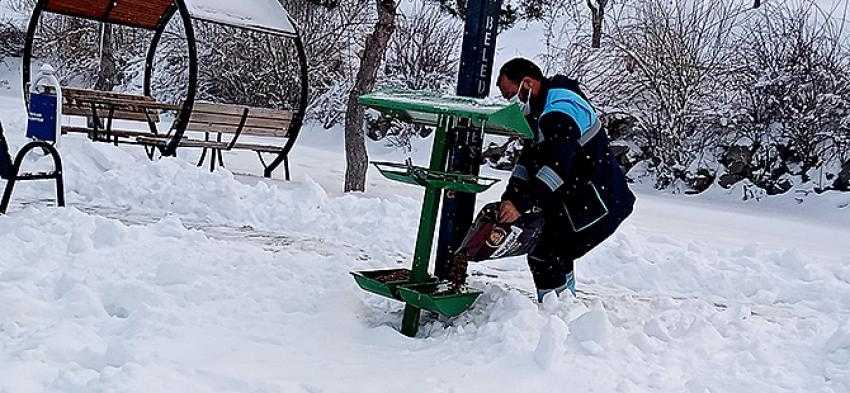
x,y
255,131
118,133
89,94
71,110
236,110
259,148
77,102
155,141
227,120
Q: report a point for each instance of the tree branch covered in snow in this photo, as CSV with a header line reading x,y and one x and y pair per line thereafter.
x,y
695,87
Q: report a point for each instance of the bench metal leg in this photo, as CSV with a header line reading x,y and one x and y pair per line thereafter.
x,y
203,157
7,193
151,152
269,169
16,176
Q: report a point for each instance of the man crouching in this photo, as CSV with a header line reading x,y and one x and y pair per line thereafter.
x,y
568,171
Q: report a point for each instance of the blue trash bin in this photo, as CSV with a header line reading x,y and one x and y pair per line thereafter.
x,y
42,117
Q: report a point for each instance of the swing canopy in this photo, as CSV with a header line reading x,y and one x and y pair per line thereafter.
x,y
264,16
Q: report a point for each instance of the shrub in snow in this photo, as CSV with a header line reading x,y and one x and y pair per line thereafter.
x,y
788,102
707,90
422,55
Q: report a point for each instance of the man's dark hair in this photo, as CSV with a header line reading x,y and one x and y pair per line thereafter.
x,y
519,68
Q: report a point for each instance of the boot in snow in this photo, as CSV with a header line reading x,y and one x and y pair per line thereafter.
x,y
570,285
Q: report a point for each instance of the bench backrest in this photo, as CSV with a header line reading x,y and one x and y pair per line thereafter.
x,y
78,102
225,119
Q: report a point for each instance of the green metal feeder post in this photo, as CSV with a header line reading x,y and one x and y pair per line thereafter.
x,y
427,224
415,287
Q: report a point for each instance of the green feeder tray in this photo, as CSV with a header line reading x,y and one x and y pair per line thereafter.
x,y
384,282
432,297
426,108
438,179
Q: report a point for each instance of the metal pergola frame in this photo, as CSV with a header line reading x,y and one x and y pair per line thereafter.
x,y
182,121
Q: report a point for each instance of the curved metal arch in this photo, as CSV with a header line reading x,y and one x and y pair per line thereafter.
x,y
28,43
192,90
298,117
182,121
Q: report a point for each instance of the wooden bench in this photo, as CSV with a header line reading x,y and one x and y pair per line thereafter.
x,y
224,124
102,108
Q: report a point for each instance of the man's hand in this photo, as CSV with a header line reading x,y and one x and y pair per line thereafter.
x,y
508,212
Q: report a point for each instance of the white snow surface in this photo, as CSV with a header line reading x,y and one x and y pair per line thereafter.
x,y
163,277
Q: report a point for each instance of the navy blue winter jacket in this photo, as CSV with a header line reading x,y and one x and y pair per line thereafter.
x,y
569,170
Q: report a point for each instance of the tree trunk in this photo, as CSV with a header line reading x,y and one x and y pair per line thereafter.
x,y
370,61
597,12
106,74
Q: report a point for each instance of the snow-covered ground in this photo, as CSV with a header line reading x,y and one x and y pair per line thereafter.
x,y
163,277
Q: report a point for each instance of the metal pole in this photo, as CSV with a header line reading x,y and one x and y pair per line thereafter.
x,y
476,70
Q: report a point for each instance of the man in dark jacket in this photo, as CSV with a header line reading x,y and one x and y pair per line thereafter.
x,y
568,172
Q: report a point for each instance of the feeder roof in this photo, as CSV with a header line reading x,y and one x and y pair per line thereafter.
x,y
267,16
425,108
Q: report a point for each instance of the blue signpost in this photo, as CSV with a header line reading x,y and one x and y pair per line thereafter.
x,y
476,70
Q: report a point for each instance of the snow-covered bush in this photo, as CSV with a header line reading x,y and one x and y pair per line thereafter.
x,y
333,32
790,100
422,55
245,67
11,39
83,52
12,28
701,90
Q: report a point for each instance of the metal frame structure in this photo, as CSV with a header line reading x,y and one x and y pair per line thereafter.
x,y
15,175
182,121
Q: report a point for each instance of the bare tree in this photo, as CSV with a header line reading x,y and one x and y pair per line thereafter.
x,y
597,15
790,98
679,54
333,33
370,61
105,79
423,54
11,39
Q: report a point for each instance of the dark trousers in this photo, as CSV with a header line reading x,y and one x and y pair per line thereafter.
x,y
552,258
